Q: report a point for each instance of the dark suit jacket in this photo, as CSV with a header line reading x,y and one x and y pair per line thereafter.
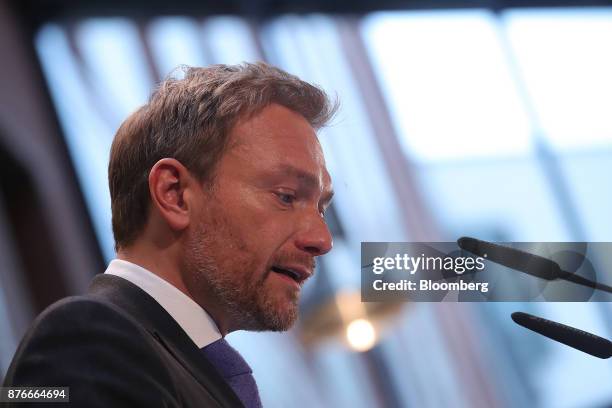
x,y
117,347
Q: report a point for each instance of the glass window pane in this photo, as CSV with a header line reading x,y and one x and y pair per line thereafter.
x,y
565,60
115,63
230,40
449,88
88,135
175,41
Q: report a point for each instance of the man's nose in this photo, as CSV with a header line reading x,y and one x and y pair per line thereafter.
x,y
315,237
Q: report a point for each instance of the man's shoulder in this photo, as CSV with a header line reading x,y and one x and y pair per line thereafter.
x,y
81,306
85,321
88,312
92,345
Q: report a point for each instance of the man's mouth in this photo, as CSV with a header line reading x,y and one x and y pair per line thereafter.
x,y
297,273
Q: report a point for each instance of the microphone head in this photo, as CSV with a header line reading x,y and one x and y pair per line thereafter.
x,y
512,258
570,336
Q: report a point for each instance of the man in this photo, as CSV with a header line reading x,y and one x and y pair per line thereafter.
x,y
218,188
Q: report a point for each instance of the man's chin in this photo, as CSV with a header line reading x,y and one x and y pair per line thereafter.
x,y
276,317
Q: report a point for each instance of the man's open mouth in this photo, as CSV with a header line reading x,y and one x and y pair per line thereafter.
x,y
296,276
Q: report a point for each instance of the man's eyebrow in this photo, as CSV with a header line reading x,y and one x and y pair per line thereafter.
x,y
309,180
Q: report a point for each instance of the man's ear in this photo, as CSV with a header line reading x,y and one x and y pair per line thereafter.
x,y
169,181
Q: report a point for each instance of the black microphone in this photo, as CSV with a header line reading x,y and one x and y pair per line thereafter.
x,y
570,336
526,262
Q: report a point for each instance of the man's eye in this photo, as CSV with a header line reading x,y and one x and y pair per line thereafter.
x,y
286,198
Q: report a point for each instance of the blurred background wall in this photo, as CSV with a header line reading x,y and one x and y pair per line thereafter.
x,y
484,118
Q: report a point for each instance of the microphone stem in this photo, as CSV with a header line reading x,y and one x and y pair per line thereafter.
x,y
584,282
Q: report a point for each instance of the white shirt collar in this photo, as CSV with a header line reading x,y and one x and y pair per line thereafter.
x,y
194,320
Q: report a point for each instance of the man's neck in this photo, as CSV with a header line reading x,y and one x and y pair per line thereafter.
x,y
162,264
156,261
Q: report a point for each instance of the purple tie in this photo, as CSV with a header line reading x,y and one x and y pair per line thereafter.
x,y
235,371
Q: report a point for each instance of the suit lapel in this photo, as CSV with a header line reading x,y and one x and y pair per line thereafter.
x,y
166,331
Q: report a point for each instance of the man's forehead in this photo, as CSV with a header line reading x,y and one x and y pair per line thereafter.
x,y
282,141
272,121
322,179
276,131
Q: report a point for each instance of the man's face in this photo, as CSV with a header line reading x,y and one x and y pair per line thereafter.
x,y
260,227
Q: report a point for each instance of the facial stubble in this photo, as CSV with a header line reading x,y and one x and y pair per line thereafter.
x,y
237,285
